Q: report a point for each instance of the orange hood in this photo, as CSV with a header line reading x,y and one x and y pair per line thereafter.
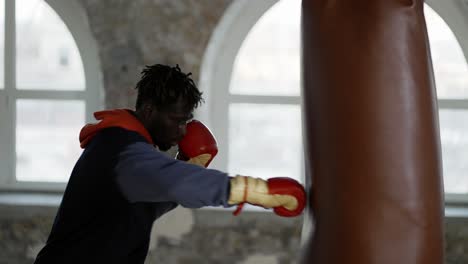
x,y
113,118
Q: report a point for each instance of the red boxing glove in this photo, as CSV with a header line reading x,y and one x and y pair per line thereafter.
x,y
283,185
286,196
198,145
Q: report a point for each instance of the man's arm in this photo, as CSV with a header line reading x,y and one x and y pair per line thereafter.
x,y
146,175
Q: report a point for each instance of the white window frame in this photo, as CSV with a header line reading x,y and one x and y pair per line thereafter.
x,y
74,17
216,70
454,12
224,45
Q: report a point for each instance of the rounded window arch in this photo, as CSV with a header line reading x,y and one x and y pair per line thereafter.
x,y
49,90
451,78
233,78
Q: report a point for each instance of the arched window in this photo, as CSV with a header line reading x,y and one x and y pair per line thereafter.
x,y
257,116
250,75
264,115
48,88
451,77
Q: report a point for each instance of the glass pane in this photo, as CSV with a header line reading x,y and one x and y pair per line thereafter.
x,y
46,54
265,140
450,67
454,131
47,144
268,62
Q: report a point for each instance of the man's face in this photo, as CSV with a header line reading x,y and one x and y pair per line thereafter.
x,y
168,126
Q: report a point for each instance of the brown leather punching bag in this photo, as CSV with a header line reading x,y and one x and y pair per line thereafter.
x,y
371,134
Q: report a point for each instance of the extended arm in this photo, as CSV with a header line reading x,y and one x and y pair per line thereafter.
x,y
146,175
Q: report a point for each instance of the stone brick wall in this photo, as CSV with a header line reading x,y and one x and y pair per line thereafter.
x,y
456,240
132,34
205,236
182,236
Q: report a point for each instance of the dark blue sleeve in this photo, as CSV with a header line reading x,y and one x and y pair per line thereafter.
x,y
144,174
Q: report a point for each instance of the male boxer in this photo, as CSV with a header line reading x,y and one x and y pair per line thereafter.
x,y
123,182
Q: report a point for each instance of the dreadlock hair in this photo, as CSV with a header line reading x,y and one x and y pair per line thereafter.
x,y
162,85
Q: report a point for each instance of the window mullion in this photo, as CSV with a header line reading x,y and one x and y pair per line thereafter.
x,y
264,99
50,94
5,142
7,108
453,103
10,49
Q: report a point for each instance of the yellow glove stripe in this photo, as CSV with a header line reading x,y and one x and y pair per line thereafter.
x,y
200,160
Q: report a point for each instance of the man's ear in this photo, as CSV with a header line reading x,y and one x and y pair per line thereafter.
x,y
148,111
